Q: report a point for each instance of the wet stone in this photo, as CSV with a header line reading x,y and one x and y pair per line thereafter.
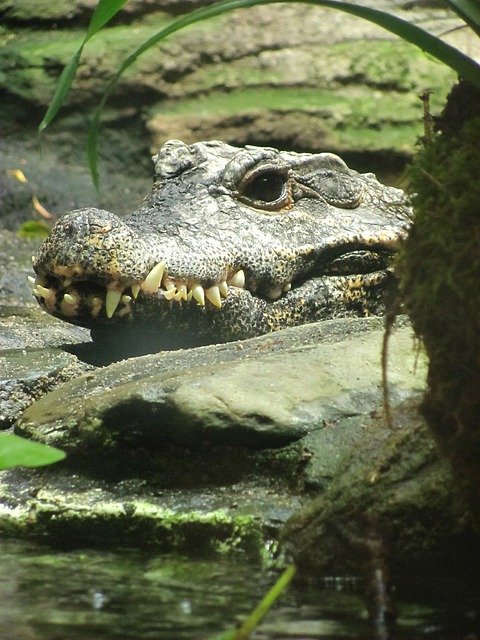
x,y
27,374
261,393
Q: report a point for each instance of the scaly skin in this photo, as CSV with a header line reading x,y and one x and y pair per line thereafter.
x,y
235,243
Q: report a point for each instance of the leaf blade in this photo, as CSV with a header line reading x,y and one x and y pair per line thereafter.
x,y
104,12
16,451
468,10
63,87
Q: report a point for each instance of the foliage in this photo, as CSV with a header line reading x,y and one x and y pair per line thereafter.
x,y
104,12
34,229
264,606
468,10
16,451
106,9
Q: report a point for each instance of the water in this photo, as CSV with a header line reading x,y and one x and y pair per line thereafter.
x,y
98,595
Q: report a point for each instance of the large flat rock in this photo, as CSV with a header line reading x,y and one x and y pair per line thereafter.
x,y
261,393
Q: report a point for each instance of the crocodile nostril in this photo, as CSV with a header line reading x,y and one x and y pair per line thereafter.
x,y
174,158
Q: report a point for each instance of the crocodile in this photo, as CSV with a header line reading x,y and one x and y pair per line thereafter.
x,y
231,243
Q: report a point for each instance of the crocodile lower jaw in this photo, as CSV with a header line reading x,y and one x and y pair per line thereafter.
x,y
75,298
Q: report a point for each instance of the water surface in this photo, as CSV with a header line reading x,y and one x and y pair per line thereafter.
x,y
88,594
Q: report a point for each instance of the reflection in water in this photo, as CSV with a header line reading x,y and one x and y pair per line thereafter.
x,y
98,595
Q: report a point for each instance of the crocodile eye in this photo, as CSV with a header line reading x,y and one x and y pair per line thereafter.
x,y
266,188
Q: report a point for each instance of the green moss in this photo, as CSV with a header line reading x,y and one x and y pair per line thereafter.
x,y
349,119
441,259
31,61
138,522
398,65
32,9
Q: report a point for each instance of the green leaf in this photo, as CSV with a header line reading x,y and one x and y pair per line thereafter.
x,y
468,10
16,451
34,229
104,11
264,606
63,87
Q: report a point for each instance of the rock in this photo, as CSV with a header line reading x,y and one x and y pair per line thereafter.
x,y
27,374
394,484
222,444
15,266
332,85
260,393
62,507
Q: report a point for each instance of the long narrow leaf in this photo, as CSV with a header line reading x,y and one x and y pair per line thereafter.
x,y
432,45
61,92
468,10
104,12
264,606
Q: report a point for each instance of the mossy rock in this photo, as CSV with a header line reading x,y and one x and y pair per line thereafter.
x,y
393,485
440,265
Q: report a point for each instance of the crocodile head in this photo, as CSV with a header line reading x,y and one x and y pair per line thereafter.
x,y
230,244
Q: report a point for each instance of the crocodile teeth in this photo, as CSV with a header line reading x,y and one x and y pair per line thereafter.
x,y
223,287
170,293
198,293
152,282
67,309
181,293
274,294
31,281
287,287
43,292
67,282
135,290
238,279
71,298
213,294
111,301
126,299
96,305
